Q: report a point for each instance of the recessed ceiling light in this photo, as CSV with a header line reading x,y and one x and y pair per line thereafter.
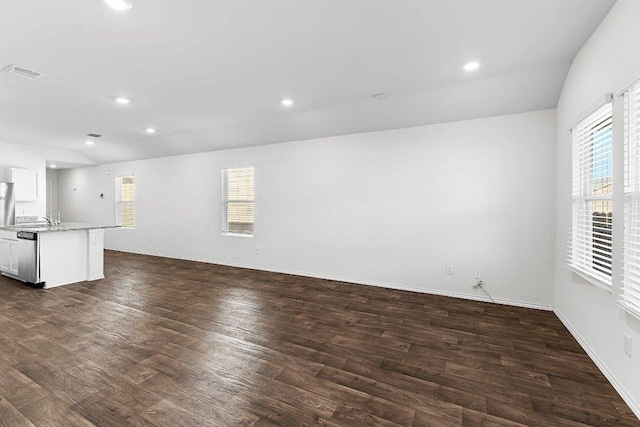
x,y
287,102
121,100
150,130
119,4
53,166
471,66
89,142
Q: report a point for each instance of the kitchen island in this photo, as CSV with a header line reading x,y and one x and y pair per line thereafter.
x,y
46,255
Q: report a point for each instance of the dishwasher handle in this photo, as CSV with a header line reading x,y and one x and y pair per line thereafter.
x,y
27,235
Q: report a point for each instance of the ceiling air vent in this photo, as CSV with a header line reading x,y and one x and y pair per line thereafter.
x,y
23,72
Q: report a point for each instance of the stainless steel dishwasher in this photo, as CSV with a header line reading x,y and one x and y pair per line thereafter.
x,y
29,260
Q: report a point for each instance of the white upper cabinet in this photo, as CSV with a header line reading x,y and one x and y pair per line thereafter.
x,y
26,183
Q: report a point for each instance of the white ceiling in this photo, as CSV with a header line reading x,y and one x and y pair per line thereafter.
x,y
210,74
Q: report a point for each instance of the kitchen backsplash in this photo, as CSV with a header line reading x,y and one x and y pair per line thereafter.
x,y
26,219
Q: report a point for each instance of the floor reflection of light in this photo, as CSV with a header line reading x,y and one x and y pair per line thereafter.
x,y
238,321
251,319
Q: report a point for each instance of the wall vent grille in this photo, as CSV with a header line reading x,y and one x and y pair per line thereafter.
x,y
23,72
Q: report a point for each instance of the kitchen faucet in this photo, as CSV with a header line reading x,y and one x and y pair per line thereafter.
x,y
52,221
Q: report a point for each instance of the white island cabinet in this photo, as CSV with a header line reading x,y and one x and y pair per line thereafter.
x,y
63,254
9,253
70,257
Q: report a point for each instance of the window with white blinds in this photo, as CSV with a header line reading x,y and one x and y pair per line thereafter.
x,y
237,201
592,161
125,202
630,296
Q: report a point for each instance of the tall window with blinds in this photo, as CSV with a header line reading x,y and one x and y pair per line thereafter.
x,y
237,201
125,202
630,296
592,214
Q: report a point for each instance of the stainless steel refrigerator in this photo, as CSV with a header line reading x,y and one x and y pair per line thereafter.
x,y
7,204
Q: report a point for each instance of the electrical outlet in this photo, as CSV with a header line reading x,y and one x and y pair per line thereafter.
x,y
627,345
478,273
449,269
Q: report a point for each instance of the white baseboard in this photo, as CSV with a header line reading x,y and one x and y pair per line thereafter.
x,y
460,295
635,407
629,400
370,283
408,288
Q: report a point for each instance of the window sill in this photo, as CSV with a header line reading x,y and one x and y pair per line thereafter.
x,y
589,278
236,234
626,307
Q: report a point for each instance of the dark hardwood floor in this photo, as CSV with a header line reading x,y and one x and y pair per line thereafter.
x,y
163,342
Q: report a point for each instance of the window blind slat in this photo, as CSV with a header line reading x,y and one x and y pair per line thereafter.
x,y
629,305
125,202
630,296
592,214
238,200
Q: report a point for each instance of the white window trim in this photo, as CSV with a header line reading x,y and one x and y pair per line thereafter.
x,y
629,297
230,234
607,98
225,201
118,199
590,277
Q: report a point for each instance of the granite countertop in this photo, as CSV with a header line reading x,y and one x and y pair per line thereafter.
x,y
46,228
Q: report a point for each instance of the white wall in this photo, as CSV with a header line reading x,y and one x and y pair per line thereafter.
x,y
52,175
389,208
35,158
606,61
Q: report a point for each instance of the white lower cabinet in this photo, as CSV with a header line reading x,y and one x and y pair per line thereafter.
x,y
9,256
